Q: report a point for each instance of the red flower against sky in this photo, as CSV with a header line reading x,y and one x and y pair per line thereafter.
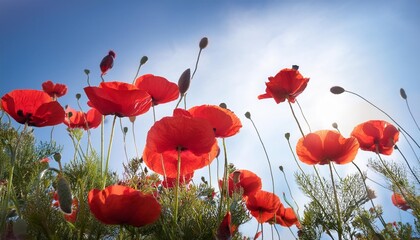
x,y
123,205
376,136
246,180
324,146
107,62
55,90
286,85
79,119
161,90
34,107
118,98
399,201
286,217
263,205
194,138
224,122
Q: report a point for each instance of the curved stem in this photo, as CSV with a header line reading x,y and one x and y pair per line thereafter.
x,y
297,121
408,165
392,119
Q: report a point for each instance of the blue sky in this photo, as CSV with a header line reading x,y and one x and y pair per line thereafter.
x,y
367,47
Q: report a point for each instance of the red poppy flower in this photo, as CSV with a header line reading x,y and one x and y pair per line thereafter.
x,y
193,137
171,182
246,180
226,229
118,98
224,122
161,90
79,119
286,217
33,107
55,90
263,205
287,84
107,62
324,146
123,205
376,136
399,201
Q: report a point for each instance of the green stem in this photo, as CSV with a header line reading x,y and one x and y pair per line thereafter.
x,y
102,143
109,151
177,185
340,228
294,115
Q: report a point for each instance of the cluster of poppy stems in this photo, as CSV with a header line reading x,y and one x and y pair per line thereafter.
x,y
180,144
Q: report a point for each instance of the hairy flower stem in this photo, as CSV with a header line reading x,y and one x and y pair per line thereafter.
x,y
367,193
386,115
340,228
177,184
109,151
102,144
296,120
408,165
225,185
266,154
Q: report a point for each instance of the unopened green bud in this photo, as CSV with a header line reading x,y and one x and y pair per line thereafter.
x,y
57,157
287,136
64,194
78,96
203,43
281,168
223,105
87,71
143,60
125,129
403,94
337,90
335,125
248,115
184,81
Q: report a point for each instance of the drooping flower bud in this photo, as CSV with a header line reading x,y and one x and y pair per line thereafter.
x,y
64,194
184,81
143,60
248,115
203,43
403,94
57,157
107,62
337,90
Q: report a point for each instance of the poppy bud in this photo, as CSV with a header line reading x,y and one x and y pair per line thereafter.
x,y
57,157
248,115
132,119
403,94
64,194
87,71
287,136
78,96
223,105
335,125
125,129
107,62
143,60
184,81
203,43
337,90
281,168
295,67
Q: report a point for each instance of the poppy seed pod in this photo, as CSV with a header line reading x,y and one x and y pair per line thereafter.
x,y
335,125
248,115
295,67
184,81
287,136
403,94
87,71
223,105
64,194
203,43
337,90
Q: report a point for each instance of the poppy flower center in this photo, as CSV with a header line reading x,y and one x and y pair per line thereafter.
x,y
28,116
